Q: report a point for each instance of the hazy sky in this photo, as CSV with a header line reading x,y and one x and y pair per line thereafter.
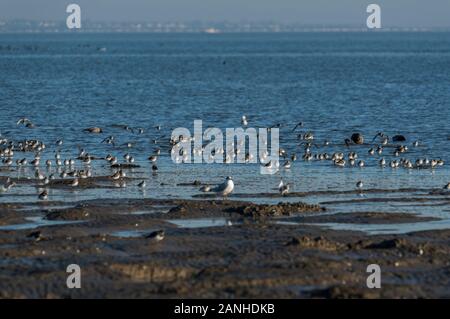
x,y
404,13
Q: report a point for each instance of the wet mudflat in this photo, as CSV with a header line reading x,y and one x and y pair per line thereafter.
x,y
214,248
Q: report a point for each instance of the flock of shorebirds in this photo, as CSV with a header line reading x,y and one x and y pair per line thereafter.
x,y
381,145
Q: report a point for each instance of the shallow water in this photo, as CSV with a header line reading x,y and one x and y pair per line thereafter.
x,y
44,207
384,229
35,222
131,233
156,209
335,83
201,222
181,223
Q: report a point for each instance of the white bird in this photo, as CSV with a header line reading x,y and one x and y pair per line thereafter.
x,y
281,184
287,165
35,162
113,160
39,175
205,189
244,120
7,186
74,183
284,189
225,188
359,185
340,163
115,176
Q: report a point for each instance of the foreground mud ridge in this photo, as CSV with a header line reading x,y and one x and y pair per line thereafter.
x,y
212,249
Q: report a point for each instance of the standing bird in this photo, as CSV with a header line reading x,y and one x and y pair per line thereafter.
x,y
284,190
7,186
142,184
281,184
205,189
359,185
224,189
156,235
287,164
244,120
447,186
115,176
43,195
74,182
299,124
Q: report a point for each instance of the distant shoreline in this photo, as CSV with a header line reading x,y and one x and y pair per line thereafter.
x,y
207,27
225,32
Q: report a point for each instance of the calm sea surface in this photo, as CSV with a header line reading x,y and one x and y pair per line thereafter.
x,y
335,83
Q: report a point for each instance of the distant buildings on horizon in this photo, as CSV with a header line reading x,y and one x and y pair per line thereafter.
x,y
26,26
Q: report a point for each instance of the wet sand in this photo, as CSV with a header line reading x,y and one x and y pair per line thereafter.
x,y
252,251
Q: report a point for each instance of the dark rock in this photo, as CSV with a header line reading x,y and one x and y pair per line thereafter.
x,y
387,244
319,242
398,138
357,138
178,209
282,209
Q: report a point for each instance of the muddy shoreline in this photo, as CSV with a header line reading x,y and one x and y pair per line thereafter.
x,y
251,252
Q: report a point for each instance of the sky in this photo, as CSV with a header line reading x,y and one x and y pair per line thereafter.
x,y
401,13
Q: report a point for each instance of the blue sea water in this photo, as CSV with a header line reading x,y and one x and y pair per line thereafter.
x,y
335,83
